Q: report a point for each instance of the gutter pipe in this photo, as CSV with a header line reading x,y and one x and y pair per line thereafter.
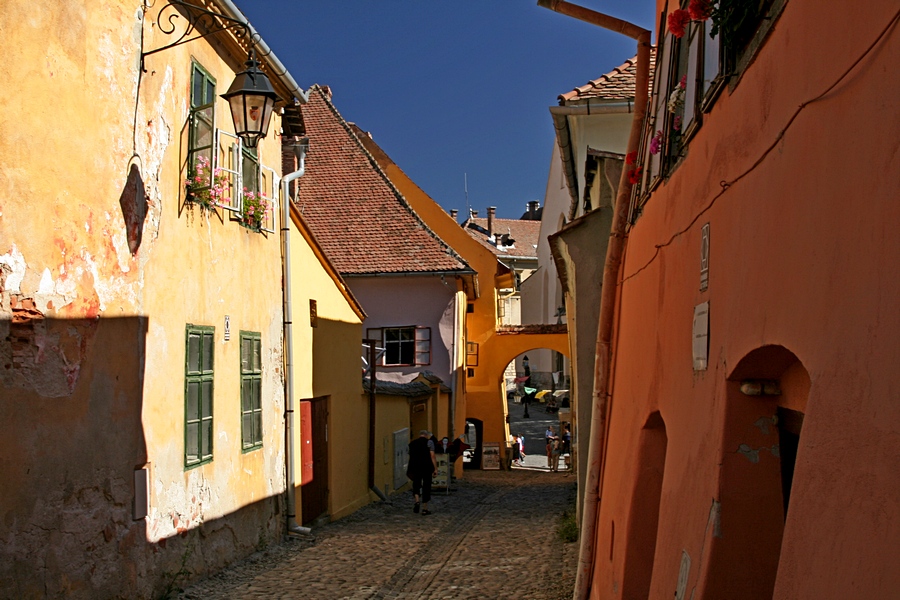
x,y
592,109
292,525
602,401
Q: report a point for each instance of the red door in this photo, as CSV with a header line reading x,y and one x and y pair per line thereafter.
x,y
314,458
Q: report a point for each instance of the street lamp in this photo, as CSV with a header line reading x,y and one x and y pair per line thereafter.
x,y
251,98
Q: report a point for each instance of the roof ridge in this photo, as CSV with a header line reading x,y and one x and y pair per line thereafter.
x,y
324,92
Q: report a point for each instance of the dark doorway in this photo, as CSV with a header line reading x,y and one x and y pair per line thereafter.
x,y
314,494
789,424
472,456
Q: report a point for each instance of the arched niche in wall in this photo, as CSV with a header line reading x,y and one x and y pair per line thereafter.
x,y
766,396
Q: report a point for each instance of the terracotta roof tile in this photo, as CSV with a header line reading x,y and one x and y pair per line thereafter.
x,y
525,234
618,84
362,222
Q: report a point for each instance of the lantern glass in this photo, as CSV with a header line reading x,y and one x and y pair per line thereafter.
x,y
251,99
251,114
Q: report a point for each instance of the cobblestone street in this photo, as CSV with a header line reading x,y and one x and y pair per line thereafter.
x,y
494,536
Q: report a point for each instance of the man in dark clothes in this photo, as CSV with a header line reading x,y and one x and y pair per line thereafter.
x,y
422,467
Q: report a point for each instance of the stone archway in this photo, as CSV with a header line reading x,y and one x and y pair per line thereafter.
x,y
485,393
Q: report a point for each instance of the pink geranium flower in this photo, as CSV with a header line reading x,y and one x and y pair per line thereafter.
x,y
656,142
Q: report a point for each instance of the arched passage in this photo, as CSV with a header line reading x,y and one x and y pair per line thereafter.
x,y
766,396
485,385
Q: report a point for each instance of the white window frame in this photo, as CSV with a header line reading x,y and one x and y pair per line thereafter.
x,y
421,345
228,153
270,187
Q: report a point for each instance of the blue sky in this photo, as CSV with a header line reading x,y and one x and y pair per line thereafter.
x,y
453,91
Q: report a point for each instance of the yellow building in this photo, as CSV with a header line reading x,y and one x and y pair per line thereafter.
x,y
330,438
141,316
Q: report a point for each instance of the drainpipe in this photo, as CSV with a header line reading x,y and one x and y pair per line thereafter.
x,y
602,401
292,525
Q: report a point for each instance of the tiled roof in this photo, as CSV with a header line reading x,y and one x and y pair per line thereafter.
x,y
362,222
525,234
618,84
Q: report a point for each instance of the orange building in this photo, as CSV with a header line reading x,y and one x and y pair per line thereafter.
x,y
748,447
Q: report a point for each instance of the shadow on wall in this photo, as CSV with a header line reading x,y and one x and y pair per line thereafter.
x,y
71,441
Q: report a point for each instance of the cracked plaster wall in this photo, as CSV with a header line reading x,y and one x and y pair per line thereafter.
x,y
95,292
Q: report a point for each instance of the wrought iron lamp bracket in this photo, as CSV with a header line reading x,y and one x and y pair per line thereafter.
x,y
201,21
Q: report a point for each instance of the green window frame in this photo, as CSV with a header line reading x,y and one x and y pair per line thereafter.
x,y
202,123
251,391
198,394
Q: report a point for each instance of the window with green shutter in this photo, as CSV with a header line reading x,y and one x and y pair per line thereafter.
x,y
201,132
251,391
198,395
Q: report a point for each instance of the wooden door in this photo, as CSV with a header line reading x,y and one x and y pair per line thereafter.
x,y
314,494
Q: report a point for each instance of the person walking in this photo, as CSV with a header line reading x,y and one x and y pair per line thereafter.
x,y
549,436
555,451
516,452
421,468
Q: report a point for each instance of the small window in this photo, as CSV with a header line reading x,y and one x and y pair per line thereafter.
x,y
403,346
251,391
198,395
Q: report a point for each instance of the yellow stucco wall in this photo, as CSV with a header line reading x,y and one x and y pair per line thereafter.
x,y
392,413
327,364
106,268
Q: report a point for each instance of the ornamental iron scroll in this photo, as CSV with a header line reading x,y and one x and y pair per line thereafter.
x,y
200,21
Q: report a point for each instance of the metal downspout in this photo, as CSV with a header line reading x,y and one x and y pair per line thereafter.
x,y
292,525
602,400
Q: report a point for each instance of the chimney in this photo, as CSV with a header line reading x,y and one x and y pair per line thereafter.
x,y
473,213
453,213
491,211
532,209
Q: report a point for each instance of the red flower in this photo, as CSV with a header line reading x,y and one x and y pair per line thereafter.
x,y
630,158
699,10
677,21
634,176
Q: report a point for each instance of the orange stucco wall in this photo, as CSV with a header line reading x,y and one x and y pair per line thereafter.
x,y
802,257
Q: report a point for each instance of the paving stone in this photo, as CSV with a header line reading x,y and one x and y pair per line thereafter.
x,y
493,537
